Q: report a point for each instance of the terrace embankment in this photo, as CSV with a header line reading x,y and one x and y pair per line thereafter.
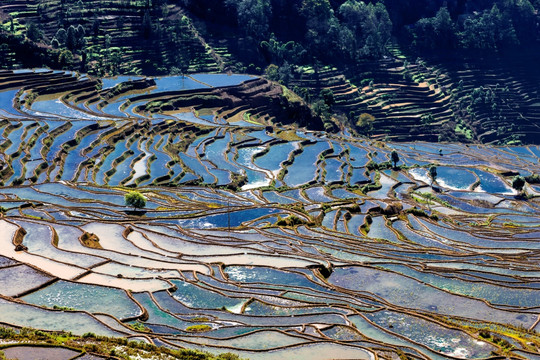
x,y
258,98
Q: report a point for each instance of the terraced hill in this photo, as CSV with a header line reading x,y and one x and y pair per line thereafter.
x,y
474,96
102,120
498,96
265,241
117,38
486,100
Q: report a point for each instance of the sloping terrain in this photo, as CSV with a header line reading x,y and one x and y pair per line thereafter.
x,y
264,241
467,95
117,37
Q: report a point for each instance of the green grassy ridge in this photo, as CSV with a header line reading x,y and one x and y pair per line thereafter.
x,y
109,347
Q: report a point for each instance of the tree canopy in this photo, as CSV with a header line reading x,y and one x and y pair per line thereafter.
x,y
433,173
394,157
135,199
518,182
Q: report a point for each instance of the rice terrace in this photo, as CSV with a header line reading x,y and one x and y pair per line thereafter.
x,y
175,185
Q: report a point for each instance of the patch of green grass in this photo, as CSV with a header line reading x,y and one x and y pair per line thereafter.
x,y
139,326
199,328
462,129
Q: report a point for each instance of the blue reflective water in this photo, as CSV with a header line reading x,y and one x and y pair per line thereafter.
x,y
277,154
455,178
6,101
197,168
15,138
64,137
357,155
123,170
333,170
111,82
74,157
491,183
304,166
222,220
317,194
215,152
272,196
343,194
106,164
358,177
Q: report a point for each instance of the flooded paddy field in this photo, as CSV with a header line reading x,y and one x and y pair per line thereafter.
x,y
264,241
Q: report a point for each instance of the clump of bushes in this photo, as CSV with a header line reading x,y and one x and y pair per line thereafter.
x,y
370,187
422,213
533,179
291,220
139,326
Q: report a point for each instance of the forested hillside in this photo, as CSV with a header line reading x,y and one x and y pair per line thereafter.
x,y
443,70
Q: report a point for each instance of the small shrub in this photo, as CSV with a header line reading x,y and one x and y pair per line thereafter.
x,y
372,165
139,326
228,356
484,334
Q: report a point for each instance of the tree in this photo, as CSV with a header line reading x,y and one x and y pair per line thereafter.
x,y
395,157
253,16
369,25
146,25
95,27
327,95
433,173
61,36
271,72
518,182
135,199
55,43
79,36
319,17
436,32
33,33
65,58
277,52
491,30
365,123
71,38
4,55
522,15
322,109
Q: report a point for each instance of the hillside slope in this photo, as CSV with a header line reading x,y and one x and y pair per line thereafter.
x,y
367,67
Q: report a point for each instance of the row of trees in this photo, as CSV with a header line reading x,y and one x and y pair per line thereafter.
x,y
510,23
72,39
298,31
294,30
